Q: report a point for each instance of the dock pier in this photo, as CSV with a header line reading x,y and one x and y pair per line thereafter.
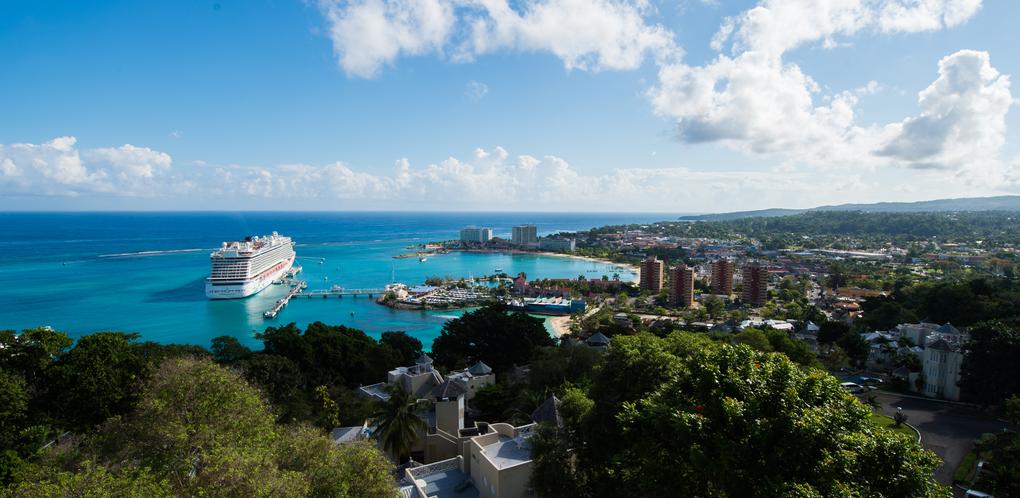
x,y
299,290
280,303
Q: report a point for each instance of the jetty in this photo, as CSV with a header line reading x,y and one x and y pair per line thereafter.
x,y
341,292
298,289
298,286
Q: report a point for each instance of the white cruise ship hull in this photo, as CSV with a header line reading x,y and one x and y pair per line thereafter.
x,y
250,287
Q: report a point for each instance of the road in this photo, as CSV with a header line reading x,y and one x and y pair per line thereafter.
x,y
947,429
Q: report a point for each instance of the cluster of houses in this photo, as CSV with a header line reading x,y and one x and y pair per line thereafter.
x,y
463,457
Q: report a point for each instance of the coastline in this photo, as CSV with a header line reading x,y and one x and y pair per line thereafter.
x,y
634,270
631,268
560,325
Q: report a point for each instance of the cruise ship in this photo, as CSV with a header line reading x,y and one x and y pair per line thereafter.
x,y
245,267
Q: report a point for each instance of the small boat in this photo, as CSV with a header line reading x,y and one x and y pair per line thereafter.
x,y
422,259
498,270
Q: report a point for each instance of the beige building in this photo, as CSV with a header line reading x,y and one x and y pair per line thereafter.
x,y
481,461
501,462
943,355
420,379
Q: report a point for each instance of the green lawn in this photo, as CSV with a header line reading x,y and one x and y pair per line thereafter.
x,y
888,423
965,472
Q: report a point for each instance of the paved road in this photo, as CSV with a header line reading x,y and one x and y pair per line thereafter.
x,y
947,429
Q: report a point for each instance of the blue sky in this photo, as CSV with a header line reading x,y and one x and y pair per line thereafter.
x,y
536,105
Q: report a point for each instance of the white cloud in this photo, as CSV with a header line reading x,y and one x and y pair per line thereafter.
x,y
129,161
585,34
963,115
754,100
58,167
475,90
487,179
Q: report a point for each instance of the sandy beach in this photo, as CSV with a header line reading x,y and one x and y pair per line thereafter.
x,y
560,325
634,270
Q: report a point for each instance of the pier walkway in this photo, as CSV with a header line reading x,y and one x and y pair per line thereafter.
x,y
298,286
341,292
298,290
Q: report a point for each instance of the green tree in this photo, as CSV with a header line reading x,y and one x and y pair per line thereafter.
x,y
492,335
90,480
408,348
227,349
330,409
830,332
206,430
715,306
98,378
989,373
723,420
352,470
399,421
754,338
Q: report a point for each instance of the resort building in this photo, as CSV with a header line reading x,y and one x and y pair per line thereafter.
x,y
524,236
557,245
651,274
475,235
722,276
942,359
756,285
681,286
421,379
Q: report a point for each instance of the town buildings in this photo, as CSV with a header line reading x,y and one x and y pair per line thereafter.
x,y
756,285
557,245
722,276
475,235
681,286
524,236
651,274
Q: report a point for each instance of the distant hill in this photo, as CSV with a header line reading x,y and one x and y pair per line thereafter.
x,y
998,203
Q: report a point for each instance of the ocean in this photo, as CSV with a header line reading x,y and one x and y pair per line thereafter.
x,y
144,272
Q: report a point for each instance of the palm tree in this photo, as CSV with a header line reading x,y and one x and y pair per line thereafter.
x,y
398,421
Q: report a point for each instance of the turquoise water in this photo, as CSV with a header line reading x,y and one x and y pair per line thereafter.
x,y
83,273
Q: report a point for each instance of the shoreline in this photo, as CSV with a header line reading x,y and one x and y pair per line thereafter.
x,y
634,270
560,325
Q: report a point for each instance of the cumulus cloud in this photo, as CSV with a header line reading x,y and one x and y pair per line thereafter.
x,y
752,98
368,35
963,115
58,167
519,182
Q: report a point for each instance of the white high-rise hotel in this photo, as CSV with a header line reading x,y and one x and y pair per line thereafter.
x,y
475,234
524,235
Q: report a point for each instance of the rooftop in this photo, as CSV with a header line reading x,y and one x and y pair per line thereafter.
x,y
444,479
377,390
507,452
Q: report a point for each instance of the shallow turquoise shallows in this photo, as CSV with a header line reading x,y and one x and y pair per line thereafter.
x,y
89,272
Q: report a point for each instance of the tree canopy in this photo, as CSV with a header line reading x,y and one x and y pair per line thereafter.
x,y
685,416
201,429
492,335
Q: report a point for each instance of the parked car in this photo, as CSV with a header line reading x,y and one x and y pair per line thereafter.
x,y
853,387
